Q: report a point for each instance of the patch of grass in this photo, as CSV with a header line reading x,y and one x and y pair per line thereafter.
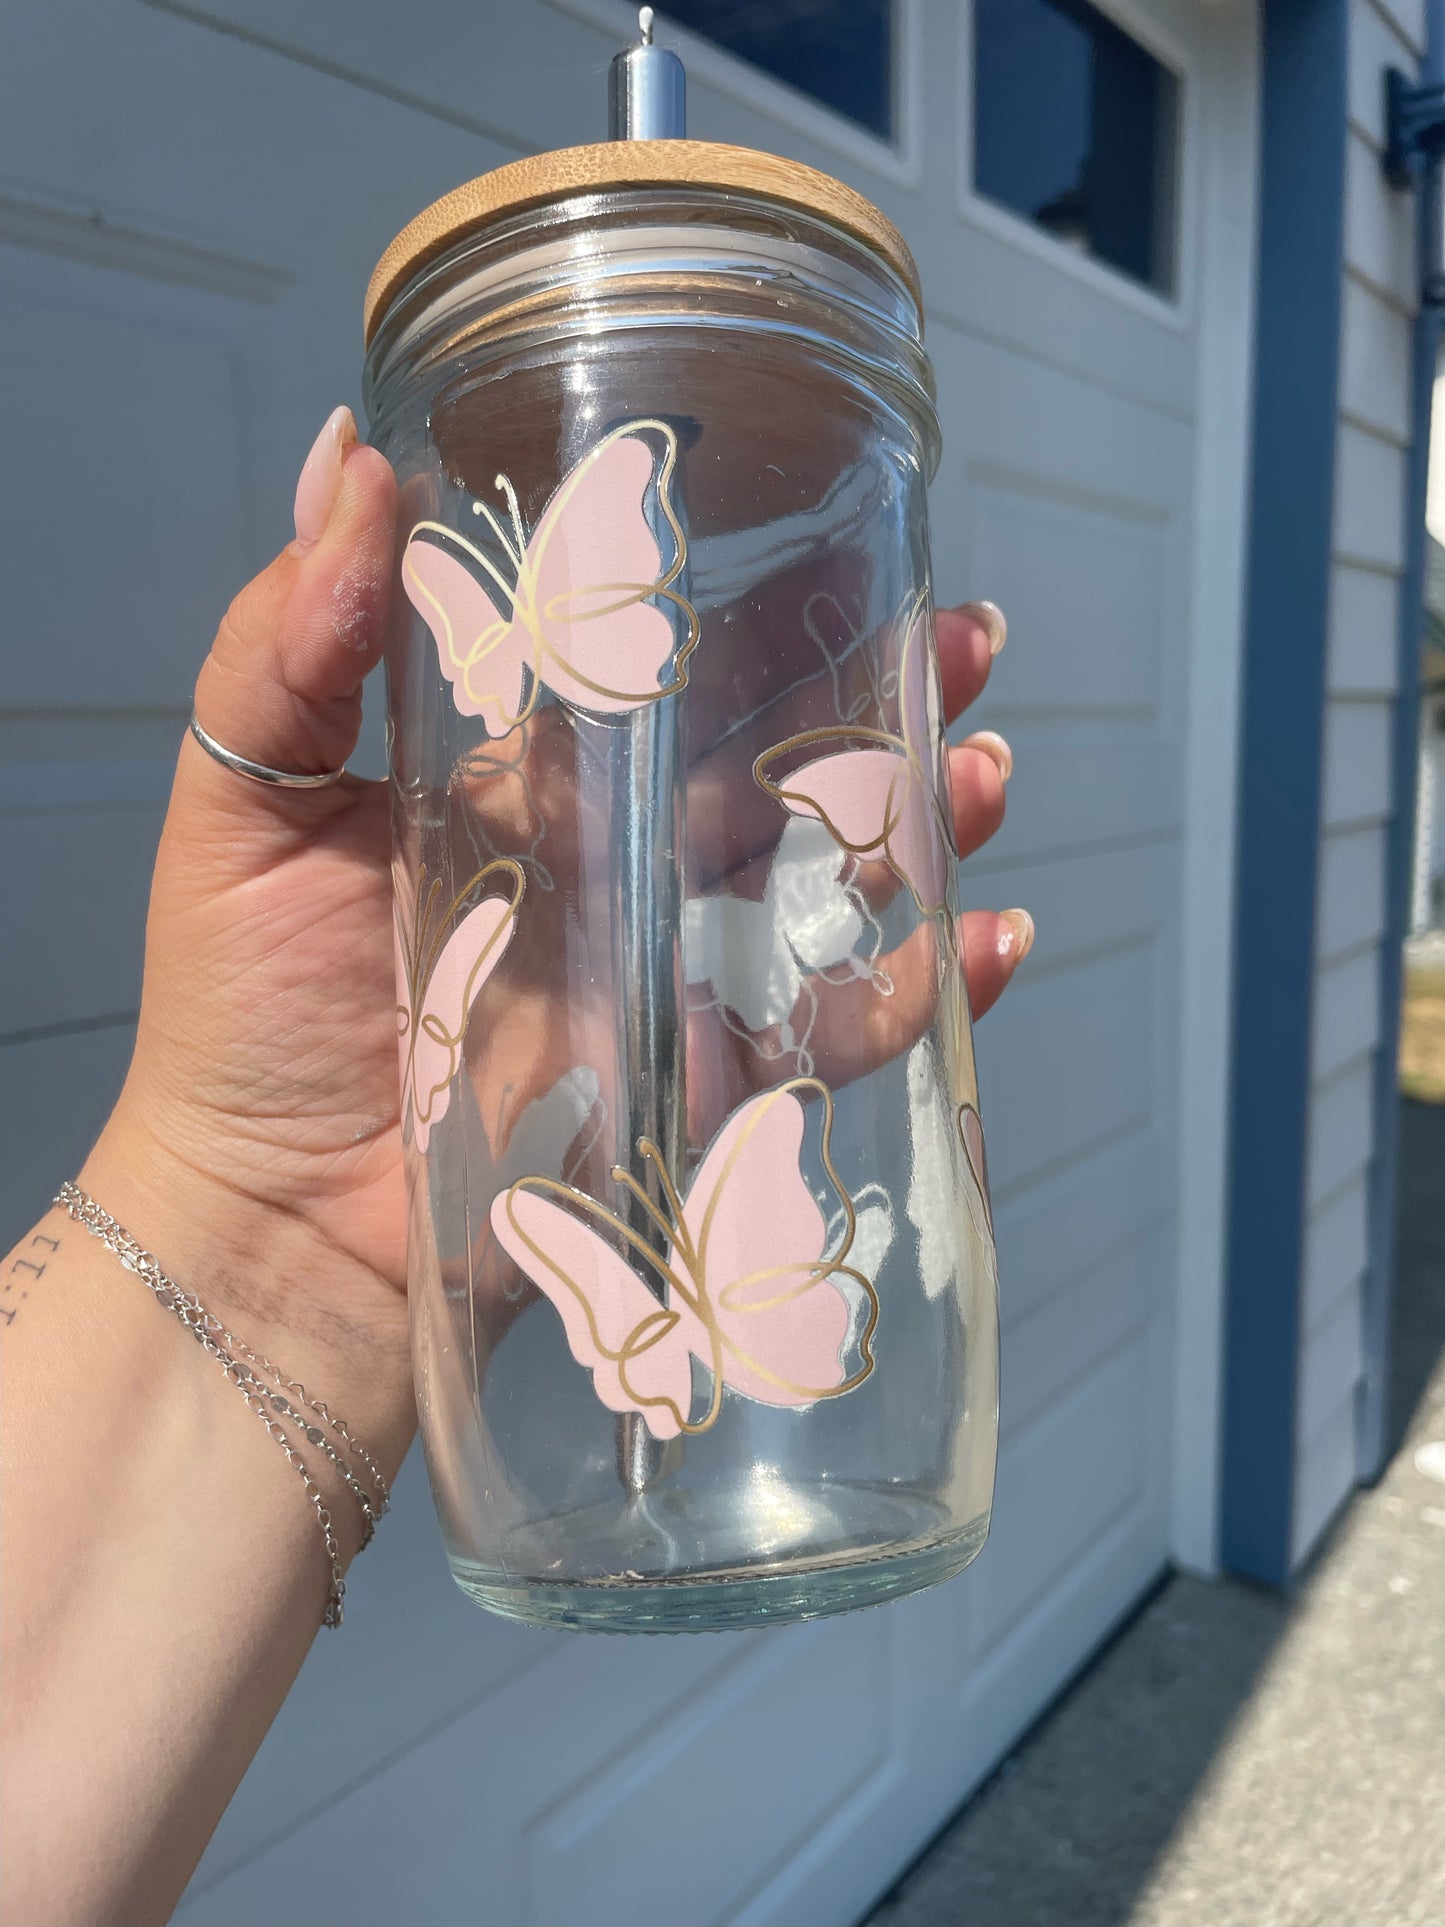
x,y
1422,1034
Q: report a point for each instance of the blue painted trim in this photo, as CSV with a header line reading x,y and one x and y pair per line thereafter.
x,y
1374,1442
1304,48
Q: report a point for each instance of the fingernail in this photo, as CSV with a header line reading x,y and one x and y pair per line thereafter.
x,y
995,748
320,482
1019,935
994,623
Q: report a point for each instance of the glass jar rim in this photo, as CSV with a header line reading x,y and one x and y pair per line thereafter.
x,y
652,257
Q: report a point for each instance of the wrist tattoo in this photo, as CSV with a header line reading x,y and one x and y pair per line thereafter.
x,y
12,1291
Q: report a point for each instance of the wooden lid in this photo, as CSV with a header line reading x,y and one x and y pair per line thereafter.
x,y
671,163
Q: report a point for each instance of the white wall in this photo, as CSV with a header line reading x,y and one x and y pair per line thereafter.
x,y
1379,295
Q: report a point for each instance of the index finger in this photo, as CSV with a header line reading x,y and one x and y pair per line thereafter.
x,y
968,637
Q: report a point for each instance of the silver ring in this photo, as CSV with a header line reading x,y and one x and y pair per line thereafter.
x,y
280,779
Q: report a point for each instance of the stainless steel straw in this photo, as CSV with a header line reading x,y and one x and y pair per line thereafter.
x,y
646,100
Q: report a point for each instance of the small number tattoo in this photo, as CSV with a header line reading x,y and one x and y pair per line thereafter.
x,y
7,1312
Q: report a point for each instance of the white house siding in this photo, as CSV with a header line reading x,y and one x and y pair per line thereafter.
x,y
1379,297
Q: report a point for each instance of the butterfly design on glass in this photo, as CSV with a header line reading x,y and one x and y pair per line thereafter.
x,y
760,965
877,793
751,1291
843,645
585,605
439,971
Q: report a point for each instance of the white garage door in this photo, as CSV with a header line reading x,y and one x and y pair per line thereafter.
x,y
193,196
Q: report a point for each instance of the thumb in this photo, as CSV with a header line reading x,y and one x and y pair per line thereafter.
x,y
282,684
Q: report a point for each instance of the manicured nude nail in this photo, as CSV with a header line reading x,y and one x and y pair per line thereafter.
x,y
320,482
995,748
992,618
1017,934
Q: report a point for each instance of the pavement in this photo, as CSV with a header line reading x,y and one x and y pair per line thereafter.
x,y
1242,1758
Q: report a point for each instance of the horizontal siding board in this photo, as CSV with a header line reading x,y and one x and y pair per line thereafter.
x,y
1347,1012
1341,1127
1324,1478
1363,645
1376,42
1330,1363
1336,1246
1352,890
1357,761
1375,350
1379,227
1369,521
1407,17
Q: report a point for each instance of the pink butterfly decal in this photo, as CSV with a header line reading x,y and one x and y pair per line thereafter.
x,y
878,795
970,1125
585,605
750,1290
439,972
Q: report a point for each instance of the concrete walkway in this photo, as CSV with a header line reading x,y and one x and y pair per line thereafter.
x,y
1238,1759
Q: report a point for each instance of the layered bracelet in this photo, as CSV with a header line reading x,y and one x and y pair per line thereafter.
x,y
279,1402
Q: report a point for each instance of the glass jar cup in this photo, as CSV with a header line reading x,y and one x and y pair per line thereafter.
x,y
700,1244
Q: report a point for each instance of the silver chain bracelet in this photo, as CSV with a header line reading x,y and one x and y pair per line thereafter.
x,y
275,1399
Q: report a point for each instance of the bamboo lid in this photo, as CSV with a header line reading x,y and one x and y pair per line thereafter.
x,y
541,178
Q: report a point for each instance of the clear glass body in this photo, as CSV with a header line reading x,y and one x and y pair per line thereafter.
x,y
701,1257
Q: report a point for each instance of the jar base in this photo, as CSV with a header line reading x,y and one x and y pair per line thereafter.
x,y
773,1588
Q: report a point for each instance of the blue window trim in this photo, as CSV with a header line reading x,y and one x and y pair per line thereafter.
x,y
1304,48
1374,1442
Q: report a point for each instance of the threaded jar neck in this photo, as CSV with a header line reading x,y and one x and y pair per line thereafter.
x,y
616,261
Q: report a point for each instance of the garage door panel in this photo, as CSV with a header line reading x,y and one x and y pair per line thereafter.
x,y
251,126
134,569
1072,508
1062,1484
1080,1218
1087,1033
1059,427
487,1840
1072,1332
1042,1651
1098,608
532,77
508,72
603,1836
1081,791
1010,297
416,1651
1084,904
